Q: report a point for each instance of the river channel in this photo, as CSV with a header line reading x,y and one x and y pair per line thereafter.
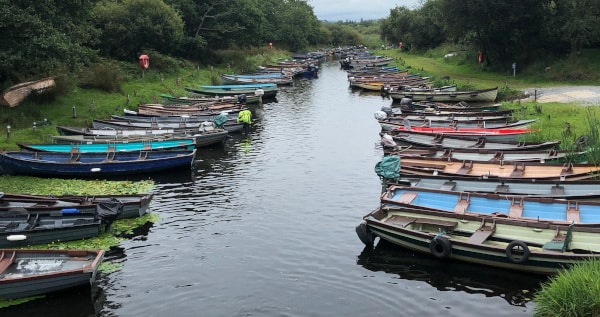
x,y
265,226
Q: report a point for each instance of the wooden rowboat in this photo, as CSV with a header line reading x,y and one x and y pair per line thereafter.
x,y
128,206
14,95
469,133
25,273
451,142
502,170
540,247
94,165
391,124
174,144
482,155
483,95
572,190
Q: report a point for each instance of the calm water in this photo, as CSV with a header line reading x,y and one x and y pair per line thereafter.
x,y
265,227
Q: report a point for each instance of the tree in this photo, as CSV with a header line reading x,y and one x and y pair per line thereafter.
x,y
40,37
574,22
505,30
139,24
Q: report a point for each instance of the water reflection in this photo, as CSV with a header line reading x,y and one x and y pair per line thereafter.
x,y
450,276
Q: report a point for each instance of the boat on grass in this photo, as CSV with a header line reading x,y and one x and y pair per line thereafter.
x,y
25,273
94,165
525,245
14,95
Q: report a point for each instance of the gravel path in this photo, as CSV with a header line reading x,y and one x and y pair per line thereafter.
x,y
583,95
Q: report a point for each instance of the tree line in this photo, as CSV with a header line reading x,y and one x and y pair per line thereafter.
x,y
47,37
43,38
505,31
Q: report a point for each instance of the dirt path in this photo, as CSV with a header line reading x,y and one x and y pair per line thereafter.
x,y
583,95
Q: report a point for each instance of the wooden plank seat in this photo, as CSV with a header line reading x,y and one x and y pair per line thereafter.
x,y
479,144
438,138
567,169
573,211
465,168
516,208
447,153
449,185
462,204
6,259
557,190
483,233
518,170
498,157
501,188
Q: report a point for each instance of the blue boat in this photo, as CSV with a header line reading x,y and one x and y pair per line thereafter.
x,y
547,210
155,145
94,165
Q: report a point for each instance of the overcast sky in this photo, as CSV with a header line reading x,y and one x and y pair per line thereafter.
x,y
355,10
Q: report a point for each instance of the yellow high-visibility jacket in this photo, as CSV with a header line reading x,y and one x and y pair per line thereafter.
x,y
245,116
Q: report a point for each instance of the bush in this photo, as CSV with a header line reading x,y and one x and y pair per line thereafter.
x,y
571,293
105,77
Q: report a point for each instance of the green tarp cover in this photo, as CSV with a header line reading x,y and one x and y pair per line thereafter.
x,y
220,120
388,167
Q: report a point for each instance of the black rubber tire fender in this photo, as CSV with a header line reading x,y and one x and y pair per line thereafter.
x,y
440,247
517,252
364,234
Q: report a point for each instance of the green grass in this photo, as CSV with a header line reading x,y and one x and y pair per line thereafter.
x,y
573,292
465,71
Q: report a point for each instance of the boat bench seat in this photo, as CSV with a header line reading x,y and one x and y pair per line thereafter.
x,y
465,168
482,234
557,190
573,212
516,209
518,170
404,221
6,260
501,189
462,204
448,185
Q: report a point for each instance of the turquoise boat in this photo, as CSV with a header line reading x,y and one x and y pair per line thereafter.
x,y
155,145
268,90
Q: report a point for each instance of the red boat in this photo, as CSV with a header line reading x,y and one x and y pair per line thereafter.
x,y
471,133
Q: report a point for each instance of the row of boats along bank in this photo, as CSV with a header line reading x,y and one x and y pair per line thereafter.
x,y
152,139
458,185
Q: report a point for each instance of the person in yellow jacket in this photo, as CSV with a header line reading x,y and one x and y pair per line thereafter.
x,y
245,116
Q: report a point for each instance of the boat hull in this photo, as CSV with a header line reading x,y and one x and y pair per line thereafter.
x,y
38,272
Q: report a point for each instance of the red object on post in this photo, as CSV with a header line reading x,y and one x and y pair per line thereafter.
x,y
480,56
144,61
270,45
